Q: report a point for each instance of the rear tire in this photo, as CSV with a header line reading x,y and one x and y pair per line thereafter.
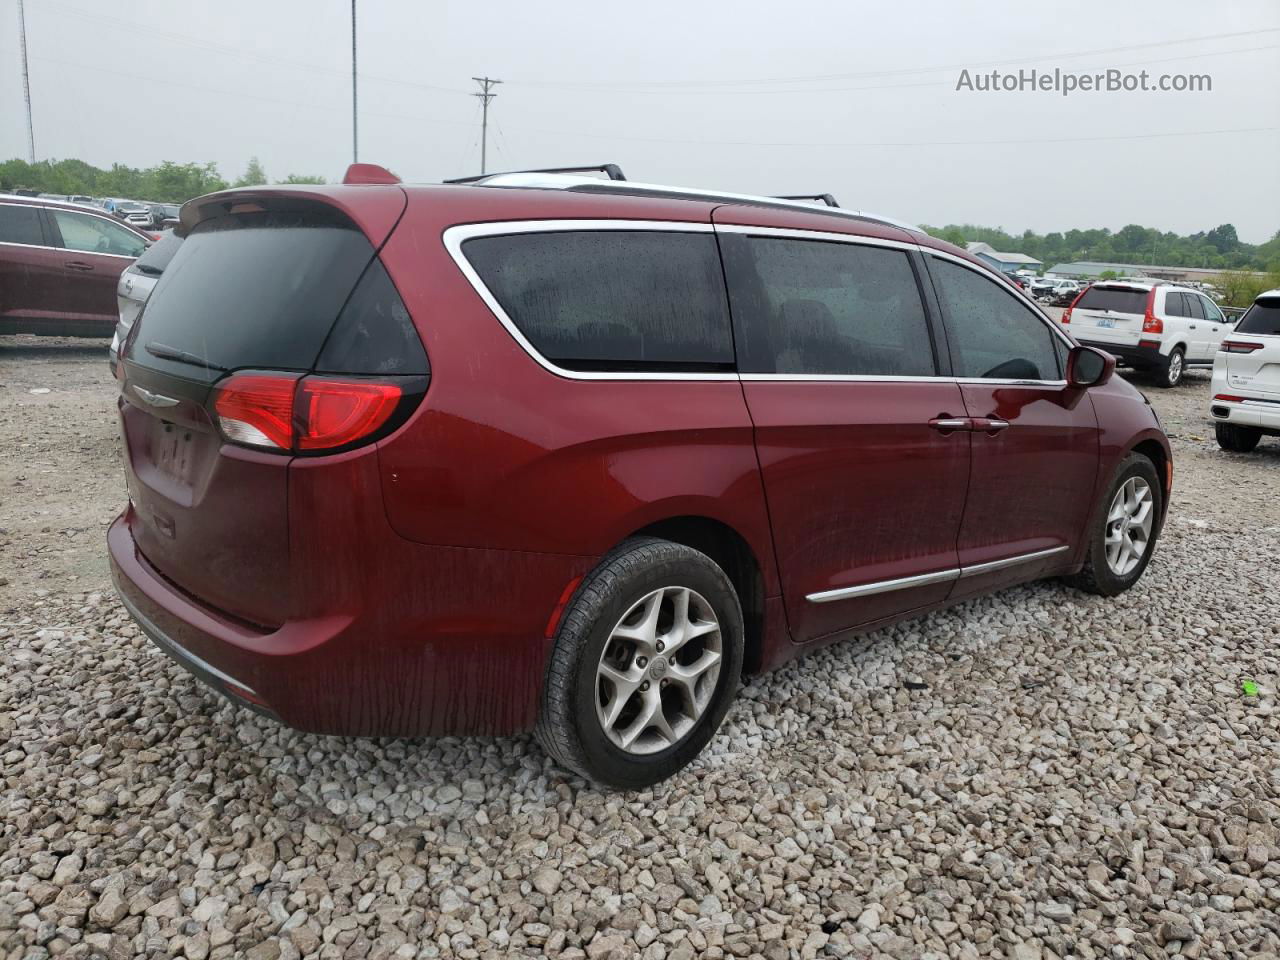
x,y
1108,571
1235,438
645,665
1170,375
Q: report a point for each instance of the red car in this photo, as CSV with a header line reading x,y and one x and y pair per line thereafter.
x,y
59,264
555,453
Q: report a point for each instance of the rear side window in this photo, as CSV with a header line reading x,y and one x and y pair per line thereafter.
x,y
1263,318
258,290
20,224
993,336
815,307
1175,305
158,255
1115,299
618,300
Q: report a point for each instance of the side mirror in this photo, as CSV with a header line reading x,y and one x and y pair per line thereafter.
x,y
1087,367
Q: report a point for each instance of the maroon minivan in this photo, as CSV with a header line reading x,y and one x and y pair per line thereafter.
x,y
59,265
549,452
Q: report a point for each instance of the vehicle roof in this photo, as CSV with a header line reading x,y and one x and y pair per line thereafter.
x,y
1138,284
479,203
1268,295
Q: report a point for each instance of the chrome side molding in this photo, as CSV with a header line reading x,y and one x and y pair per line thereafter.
x,y
940,576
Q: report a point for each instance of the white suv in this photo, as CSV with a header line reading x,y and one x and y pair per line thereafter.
x,y
1246,378
1149,325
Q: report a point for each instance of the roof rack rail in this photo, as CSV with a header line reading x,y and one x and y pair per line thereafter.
x,y
826,198
613,171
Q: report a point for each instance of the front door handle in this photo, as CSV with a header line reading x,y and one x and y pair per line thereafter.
x,y
79,265
946,424
1191,325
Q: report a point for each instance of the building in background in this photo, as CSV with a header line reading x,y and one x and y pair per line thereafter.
x,y
1004,262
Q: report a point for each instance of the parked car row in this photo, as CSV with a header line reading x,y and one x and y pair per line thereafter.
x,y
146,214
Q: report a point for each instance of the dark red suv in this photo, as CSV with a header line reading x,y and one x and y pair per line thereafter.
x,y
555,453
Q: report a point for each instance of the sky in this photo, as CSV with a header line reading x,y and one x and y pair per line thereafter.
x,y
858,99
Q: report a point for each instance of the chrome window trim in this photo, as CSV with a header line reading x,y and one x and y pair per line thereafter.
x,y
956,573
455,237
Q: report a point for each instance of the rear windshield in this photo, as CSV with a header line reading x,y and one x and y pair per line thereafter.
x,y
251,290
1263,318
158,255
1115,299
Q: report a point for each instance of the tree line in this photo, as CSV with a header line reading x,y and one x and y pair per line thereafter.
x,y
168,182
1216,249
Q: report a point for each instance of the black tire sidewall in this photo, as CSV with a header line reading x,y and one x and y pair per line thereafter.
x,y
600,758
1235,438
1110,582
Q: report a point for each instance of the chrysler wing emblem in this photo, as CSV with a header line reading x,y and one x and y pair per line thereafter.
x,y
155,399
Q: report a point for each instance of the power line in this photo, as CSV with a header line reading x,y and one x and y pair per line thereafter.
x,y
910,71
486,84
26,81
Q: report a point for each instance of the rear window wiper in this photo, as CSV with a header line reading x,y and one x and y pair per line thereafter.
x,y
166,352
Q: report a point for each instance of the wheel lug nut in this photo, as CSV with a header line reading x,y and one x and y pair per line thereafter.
x,y
641,661
665,682
659,646
645,685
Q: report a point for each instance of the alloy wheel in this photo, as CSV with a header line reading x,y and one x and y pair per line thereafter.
x,y
1129,523
658,671
1174,373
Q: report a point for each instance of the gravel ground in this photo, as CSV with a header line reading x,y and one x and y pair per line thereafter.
x,y
1064,776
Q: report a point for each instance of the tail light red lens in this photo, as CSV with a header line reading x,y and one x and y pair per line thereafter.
x,y
1241,346
1150,322
256,409
335,413
290,413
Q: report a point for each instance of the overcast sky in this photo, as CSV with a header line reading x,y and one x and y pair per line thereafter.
x,y
855,98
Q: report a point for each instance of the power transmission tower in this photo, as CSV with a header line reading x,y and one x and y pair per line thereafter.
x,y
485,96
26,82
355,138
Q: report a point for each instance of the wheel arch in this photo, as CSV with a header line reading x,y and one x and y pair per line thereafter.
x,y
734,555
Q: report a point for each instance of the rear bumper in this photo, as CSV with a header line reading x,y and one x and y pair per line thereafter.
x,y
1249,413
1131,355
462,658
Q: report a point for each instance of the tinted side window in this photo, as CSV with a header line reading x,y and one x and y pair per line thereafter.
x,y
1195,306
832,308
1175,305
993,336
612,299
20,224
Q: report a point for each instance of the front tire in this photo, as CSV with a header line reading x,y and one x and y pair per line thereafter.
x,y
1124,529
645,665
1235,438
1171,374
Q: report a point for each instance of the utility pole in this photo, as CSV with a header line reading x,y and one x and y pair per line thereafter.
x,y
26,82
485,96
355,133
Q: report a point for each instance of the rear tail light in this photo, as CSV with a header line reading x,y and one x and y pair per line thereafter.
x,y
1229,398
336,413
257,409
1150,322
1066,314
290,413
1241,346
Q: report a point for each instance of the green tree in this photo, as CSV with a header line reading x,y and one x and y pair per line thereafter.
x,y
302,178
254,175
